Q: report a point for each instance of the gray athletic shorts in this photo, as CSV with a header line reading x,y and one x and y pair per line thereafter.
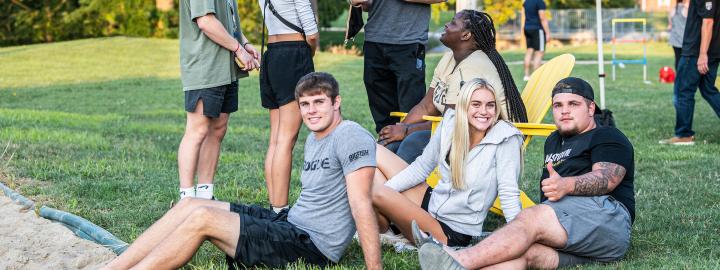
x,y
598,229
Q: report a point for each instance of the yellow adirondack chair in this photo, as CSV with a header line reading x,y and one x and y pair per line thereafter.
x,y
537,99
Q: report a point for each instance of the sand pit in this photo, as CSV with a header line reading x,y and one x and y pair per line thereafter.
x,y
28,241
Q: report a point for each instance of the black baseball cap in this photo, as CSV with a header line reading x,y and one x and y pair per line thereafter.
x,y
576,86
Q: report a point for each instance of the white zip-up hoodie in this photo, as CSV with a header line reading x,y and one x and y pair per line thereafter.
x,y
492,169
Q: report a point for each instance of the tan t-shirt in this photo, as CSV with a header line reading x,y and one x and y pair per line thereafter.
x,y
448,78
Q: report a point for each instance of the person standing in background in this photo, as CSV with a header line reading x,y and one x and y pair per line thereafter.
x,y
395,37
292,42
537,34
676,26
697,68
210,42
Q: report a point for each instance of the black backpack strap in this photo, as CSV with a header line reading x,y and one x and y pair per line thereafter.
x,y
284,21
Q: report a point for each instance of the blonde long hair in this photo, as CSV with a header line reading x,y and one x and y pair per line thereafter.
x,y
461,136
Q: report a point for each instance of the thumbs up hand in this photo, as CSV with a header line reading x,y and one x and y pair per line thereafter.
x,y
555,186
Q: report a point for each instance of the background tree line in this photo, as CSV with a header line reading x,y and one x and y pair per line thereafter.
x,y
37,21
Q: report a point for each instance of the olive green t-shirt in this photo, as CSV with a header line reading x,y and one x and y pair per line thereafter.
x,y
204,63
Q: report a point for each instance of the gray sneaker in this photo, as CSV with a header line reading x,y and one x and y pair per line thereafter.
x,y
419,236
433,257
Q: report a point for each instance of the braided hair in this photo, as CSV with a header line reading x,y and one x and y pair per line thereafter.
x,y
480,24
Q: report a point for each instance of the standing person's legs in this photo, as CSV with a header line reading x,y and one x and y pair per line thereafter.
x,y
708,90
686,84
289,122
531,41
196,130
210,149
677,52
408,64
160,230
540,52
285,63
380,84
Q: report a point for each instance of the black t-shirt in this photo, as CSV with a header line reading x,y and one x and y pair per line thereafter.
x,y
575,156
699,10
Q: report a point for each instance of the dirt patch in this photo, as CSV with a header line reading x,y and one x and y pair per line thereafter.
x,y
28,241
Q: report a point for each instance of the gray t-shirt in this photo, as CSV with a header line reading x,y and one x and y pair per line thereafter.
x,y
397,22
204,63
323,210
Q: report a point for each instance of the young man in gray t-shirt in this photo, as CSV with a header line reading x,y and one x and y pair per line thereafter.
x,y
334,200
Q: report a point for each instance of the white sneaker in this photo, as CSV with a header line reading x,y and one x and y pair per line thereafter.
x,y
390,238
526,78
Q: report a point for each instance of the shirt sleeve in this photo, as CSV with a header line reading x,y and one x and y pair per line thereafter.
x,y
358,154
416,172
609,145
540,6
199,8
306,16
706,8
508,155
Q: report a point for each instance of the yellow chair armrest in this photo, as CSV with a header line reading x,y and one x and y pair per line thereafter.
x,y
399,114
533,129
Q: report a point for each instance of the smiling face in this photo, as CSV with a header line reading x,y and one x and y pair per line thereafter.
x,y
482,111
573,114
454,31
319,112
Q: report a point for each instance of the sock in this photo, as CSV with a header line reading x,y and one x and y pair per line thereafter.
x,y
204,191
187,192
279,209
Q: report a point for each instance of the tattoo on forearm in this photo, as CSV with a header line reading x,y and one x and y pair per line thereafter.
x,y
596,182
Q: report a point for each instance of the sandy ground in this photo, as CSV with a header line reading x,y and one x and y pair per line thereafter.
x,y
28,241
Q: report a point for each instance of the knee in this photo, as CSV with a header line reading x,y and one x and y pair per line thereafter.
x,y
198,219
218,131
197,134
379,195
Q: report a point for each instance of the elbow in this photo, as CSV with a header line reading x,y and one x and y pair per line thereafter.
x,y
204,22
313,39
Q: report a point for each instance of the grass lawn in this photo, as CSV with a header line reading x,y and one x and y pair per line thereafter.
x,y
93,128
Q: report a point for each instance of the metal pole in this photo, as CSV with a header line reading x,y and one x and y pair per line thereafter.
x,y
601,63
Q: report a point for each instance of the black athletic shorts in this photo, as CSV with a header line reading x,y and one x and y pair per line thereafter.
x,y
455,239
216,100
535,39
268,239
283,64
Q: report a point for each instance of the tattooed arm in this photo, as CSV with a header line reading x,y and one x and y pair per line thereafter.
x,y
603,179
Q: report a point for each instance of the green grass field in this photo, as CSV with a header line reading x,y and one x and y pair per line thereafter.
x,y
93,128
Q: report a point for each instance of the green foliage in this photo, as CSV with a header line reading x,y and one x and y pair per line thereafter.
x,y
567,4
56,20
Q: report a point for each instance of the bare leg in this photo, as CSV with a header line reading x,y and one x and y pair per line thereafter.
x,y
196,130
220,226
145,243
538,256
527,60
288,129
403,208
537,60
537,224
210,149
388,162
274,123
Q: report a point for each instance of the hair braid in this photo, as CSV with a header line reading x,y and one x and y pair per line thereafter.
x,y
480,24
